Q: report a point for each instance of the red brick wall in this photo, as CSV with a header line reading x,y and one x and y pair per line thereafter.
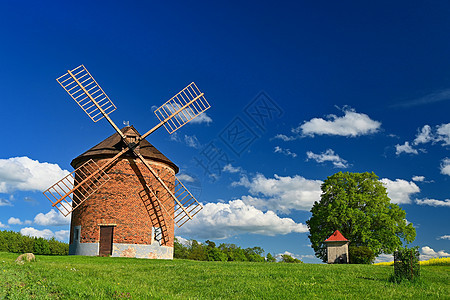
x,y
118,203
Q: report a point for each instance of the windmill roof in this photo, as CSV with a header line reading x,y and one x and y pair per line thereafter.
x,y
114,144
336,237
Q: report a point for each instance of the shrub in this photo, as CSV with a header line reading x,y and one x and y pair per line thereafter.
x,y
406,264
361,255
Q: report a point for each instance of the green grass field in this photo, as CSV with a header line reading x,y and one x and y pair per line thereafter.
x,y
75,277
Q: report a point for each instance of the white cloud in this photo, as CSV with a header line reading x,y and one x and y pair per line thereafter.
x,y
286,152
352,124
445,166
203,118
424,136
399,191
286,138
14,221
224,220
52,218
444,237
405,148
443,134
192,141
25,174
230,169
174,137
186,178
330,156
418,178
30,231
281,193
428,253
62,235
183,241
434,202
3,225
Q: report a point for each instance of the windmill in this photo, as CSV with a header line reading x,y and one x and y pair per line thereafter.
x,y
100,207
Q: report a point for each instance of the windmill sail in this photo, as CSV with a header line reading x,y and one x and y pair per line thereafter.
x,y
83,88
182,108
72,190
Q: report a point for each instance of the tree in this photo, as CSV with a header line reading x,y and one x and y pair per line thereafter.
x,y
254,254
213,253
180,250
286,258
270,258
197,251
357,205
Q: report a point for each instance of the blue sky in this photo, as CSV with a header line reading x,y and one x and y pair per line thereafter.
x,y
299,91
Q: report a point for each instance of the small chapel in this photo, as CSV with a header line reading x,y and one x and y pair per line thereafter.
x,y
337,248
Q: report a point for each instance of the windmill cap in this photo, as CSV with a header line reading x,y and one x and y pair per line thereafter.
x,y
114,144
336,237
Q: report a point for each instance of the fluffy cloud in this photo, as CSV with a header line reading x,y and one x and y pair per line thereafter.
x,y
17,221
62,235
25,174
14,221
443,134
183,241
399,191
418,178
330,156
203,118
428,253
230,169
351,124
434,202
224,220
444,237
186,178
3,225
281,193
424,136
30,231
286,152
405,148
445,166
52,218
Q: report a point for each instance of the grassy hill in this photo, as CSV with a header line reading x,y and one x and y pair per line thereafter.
x,y
75,277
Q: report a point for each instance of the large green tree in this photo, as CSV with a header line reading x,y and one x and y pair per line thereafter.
x,y
357,205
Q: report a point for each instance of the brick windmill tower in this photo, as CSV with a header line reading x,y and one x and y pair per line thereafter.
x,y
124,196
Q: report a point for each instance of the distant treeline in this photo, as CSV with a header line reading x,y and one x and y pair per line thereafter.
x,y
208,251
11,241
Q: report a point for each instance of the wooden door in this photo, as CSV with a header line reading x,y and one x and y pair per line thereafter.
x,y
106,240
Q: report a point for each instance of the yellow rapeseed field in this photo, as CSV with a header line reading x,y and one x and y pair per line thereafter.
x,y
431,262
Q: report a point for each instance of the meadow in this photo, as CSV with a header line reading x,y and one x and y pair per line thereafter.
x,y
78,277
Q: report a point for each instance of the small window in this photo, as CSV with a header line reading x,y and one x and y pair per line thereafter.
x,y
76,235
157,235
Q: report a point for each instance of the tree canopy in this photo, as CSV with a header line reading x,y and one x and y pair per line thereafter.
x,y
357,205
